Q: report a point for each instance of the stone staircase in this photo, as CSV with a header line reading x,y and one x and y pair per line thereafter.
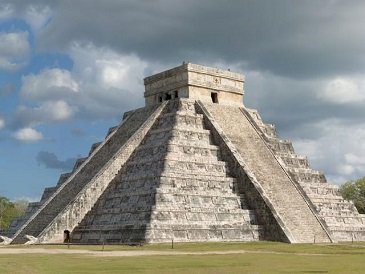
x,y
64,204
173,187
341,217
293,212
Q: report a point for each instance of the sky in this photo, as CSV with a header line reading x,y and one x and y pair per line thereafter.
x,y
70,69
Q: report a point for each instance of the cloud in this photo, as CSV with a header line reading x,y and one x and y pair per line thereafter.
x,y
48,84
110,82
338,153
38,15
14,50
105,67
290,39
344,90
47,112
6,11
101,84
28,135
50,160
2,123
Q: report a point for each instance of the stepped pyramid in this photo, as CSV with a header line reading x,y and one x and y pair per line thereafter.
x,y
193,165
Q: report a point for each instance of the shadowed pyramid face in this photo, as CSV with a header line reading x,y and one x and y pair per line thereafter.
x,y
195,82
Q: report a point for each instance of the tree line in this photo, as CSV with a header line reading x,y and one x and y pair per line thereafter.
x,y
10,210
355,191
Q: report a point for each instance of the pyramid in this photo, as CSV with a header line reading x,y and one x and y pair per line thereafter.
x,y
193,165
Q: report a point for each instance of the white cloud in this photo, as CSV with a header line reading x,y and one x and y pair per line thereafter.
x,y
110,82
46,112
14,50
344,90
106,68
56,110
2,123
48,84
28,135
101,84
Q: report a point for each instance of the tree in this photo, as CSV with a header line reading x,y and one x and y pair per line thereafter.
x,y
10,210
355,191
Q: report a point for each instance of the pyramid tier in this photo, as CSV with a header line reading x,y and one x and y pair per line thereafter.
x,y
173,186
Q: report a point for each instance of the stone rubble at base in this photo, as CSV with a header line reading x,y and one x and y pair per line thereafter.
x,y
193,165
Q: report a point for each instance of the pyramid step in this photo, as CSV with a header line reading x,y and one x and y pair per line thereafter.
x,y
176,165
136,175
48,191
186,149
137,222
278,145
182,105
182,222
269,130
318,187
168,133
63,178
307,176
94,147
111,130
184,188
180,119
325,198
293,160
352,221
78,163
126,208
171,178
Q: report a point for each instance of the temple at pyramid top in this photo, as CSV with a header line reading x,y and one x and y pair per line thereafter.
x,y
196,82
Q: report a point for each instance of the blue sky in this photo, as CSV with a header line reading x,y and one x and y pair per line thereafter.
x,y
69,70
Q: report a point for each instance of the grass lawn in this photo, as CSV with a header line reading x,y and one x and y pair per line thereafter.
x,y
260,257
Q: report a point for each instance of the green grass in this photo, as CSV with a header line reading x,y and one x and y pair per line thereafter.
x,y
262,257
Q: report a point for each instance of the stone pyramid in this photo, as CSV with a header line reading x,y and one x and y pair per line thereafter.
x,y
193,165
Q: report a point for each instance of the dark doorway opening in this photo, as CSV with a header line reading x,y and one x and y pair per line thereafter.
x,y
160,99
168,96
176,94
66,236
214,96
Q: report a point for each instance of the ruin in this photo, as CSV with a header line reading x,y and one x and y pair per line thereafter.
x,y
194,164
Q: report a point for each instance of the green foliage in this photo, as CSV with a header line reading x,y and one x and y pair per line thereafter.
x,y
355,191
10,210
